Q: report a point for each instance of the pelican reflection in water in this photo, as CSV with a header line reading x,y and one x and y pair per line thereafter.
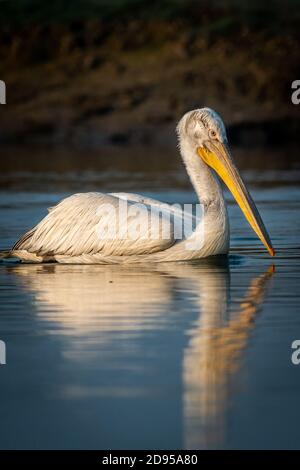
x,y
83,228
214,354
99,300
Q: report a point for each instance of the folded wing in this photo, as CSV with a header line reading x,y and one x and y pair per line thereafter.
x,y
96,223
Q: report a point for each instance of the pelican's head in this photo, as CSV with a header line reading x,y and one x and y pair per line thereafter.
x,y
204,132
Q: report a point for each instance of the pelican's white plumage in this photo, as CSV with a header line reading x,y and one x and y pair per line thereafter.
x,y
70,231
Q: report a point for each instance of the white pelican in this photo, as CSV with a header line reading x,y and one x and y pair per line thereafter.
x,y
71,232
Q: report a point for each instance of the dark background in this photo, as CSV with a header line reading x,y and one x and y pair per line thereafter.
x,y
122,72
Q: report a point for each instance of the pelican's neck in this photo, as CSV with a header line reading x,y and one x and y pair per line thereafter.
x,y
205,183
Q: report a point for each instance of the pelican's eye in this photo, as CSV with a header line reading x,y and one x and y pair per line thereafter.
x,y
212,134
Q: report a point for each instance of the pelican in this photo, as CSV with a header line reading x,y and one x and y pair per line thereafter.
x,y
71,232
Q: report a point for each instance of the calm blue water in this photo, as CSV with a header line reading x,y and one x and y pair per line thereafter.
x,y
174,356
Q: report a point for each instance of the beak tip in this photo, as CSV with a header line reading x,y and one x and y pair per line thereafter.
x,y
272,251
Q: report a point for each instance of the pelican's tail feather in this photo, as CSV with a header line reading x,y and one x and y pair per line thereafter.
x,y
4,254
22,255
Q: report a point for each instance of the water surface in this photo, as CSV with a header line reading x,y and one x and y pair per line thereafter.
x,y
178,355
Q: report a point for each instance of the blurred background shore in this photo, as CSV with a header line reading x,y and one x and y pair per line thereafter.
x,y
122,72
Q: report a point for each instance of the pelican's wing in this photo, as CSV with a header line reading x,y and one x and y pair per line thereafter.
x,y
174,209
93,223
174,212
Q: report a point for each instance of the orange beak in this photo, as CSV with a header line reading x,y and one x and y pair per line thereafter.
x,y
217,155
